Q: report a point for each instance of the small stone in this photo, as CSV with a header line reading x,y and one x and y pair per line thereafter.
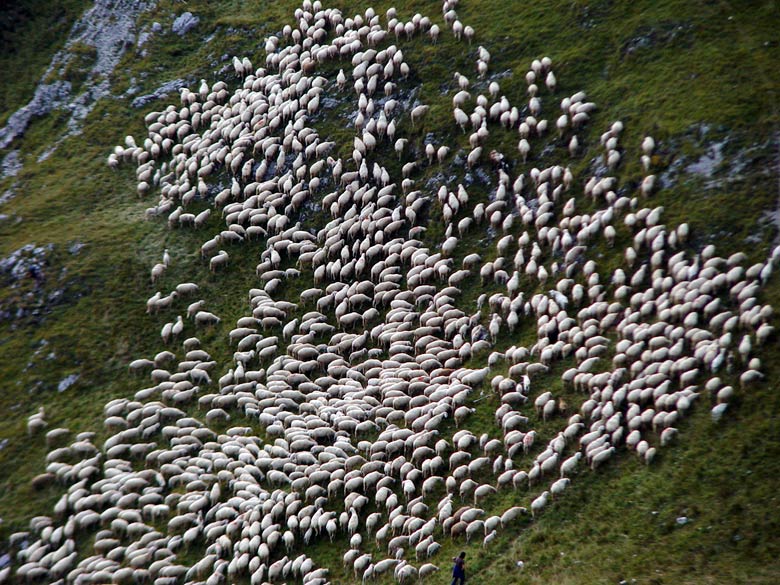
x,y
185,23
12,164
143,37
7,195
328,103
67,382
682,520
483,176
162,91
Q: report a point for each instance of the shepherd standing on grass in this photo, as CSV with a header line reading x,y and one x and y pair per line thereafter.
x,y
459,569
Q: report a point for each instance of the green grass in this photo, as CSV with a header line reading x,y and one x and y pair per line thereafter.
x,y
707,64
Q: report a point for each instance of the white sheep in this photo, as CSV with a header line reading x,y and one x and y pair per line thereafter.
x,y
538,504
418,113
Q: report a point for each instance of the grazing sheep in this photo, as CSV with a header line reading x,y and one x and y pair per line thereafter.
x,y
418,113
36,422
218,261
539,503
353,397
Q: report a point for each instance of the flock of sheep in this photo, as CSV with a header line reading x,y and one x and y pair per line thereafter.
x,y
350,390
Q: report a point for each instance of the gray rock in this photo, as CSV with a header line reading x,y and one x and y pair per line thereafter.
x,y
11,165
185,23
709,162
483,176
162,91
646,37
108,27
597,167
157,27
328,103
438,179
669,177
548,150
8,195
143,38
67,382
29,260
41,288
47,96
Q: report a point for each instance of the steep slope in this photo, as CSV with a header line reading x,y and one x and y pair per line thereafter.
x,y
696,77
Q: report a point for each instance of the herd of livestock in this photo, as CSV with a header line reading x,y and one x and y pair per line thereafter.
x,y
345,412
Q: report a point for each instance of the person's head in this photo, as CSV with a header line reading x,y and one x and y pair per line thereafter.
x,y
462,554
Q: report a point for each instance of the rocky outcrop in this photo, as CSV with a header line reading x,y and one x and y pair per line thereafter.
x,y
184,23
109,27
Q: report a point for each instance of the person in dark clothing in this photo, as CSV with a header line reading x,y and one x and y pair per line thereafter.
x,y
459,569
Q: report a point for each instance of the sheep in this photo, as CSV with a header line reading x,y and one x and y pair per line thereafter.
x,y
186,288
400,350
538,504
570,465
418,113
482,491
36,422
601,457
137,365
559,486
473,156
574,145
648,185
511,515
718,411
206,318
426,570
220,260
157,271
750,376
523,148
550,82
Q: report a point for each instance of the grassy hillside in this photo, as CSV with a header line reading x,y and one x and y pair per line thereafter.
x,y
701,77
